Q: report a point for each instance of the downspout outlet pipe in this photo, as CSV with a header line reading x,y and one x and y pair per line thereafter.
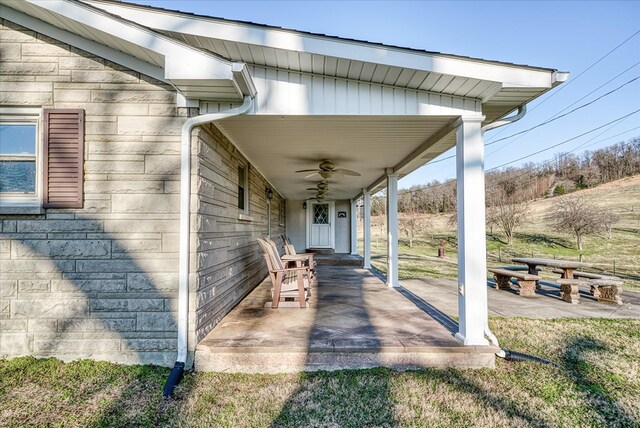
x,y
185,234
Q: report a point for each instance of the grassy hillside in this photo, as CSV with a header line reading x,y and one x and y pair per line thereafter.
x,y
536,238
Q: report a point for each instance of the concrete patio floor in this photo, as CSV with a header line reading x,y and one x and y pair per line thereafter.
x,y
353,321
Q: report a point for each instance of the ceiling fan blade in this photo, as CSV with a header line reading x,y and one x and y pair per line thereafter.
x,y
347,172
308,170
312,174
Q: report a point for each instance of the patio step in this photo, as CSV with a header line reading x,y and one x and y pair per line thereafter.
x,y
338,260
287,359
323,251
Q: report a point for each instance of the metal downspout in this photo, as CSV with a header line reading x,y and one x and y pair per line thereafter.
x,y
185,233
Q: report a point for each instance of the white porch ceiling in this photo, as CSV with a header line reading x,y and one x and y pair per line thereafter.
x,y
279,145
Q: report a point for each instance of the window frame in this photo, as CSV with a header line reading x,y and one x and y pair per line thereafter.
x,y
25,203
245,187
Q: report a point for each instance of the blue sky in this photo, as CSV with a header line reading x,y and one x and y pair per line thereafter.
x,y
568,36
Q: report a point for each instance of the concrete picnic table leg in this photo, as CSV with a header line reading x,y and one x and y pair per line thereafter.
x,y
534,271
569,292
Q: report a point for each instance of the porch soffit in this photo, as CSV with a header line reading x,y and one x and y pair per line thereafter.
x,y
280,145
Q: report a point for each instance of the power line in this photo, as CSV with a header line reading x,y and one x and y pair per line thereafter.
x,y
539,166
566,114
570,105
617,121
588,132
566,141
604,84
579,75
587,69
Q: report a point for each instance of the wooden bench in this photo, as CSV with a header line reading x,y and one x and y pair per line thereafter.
x,y
526,282
606,288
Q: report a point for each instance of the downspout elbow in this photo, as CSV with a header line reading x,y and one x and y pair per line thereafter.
x,y
522,111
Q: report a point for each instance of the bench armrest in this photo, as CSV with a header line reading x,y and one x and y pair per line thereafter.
x,y
291,269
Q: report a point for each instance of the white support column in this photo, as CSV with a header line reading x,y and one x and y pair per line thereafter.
x,y
472,259
392,228
354,227
366,226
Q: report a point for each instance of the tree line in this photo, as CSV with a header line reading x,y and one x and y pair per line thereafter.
x,y
509,192
565,173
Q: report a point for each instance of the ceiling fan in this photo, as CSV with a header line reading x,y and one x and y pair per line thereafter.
x,y
327,169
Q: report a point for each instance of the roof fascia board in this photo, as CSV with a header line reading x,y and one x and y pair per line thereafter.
x,y
181,60
508,75
80,42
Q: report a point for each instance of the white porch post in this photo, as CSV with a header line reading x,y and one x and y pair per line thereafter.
x,y
472,261
366,226
392,228
354,227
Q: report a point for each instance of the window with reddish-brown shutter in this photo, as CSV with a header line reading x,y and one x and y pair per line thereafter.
x,y
63,154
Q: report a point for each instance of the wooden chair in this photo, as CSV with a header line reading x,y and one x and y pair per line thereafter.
x,y
290,250
290,284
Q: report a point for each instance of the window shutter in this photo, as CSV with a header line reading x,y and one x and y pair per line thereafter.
x,y
63,158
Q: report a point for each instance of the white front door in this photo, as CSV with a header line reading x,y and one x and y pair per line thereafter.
x,y
320,227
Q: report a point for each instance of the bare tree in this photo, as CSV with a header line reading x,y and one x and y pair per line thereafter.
x,y
506,214
578,216
609,218
412,221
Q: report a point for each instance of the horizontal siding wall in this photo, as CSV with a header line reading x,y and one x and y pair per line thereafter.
x,y
99,281
227,257
292,93
297,224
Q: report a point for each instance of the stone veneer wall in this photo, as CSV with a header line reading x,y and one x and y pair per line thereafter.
x,y
228,259
100,281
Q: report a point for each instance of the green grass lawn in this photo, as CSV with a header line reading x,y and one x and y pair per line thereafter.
x,y
597,384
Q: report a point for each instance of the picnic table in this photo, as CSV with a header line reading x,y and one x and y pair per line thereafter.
x,y
567,266
568,287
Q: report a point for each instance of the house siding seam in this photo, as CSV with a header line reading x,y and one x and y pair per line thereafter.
x,y
100,281
226,255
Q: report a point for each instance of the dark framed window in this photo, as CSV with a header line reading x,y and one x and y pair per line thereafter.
x,y
243,188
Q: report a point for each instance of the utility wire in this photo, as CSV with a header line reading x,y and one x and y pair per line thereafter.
x,y
544,123
565,141
579,75
583,145
617,121
566,114
564,109
604,84
587,69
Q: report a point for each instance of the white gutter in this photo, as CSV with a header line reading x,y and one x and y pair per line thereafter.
x,y
185,214
522,110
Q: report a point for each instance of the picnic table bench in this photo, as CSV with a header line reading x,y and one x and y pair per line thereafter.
x,y
526,281
568,290
605,288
